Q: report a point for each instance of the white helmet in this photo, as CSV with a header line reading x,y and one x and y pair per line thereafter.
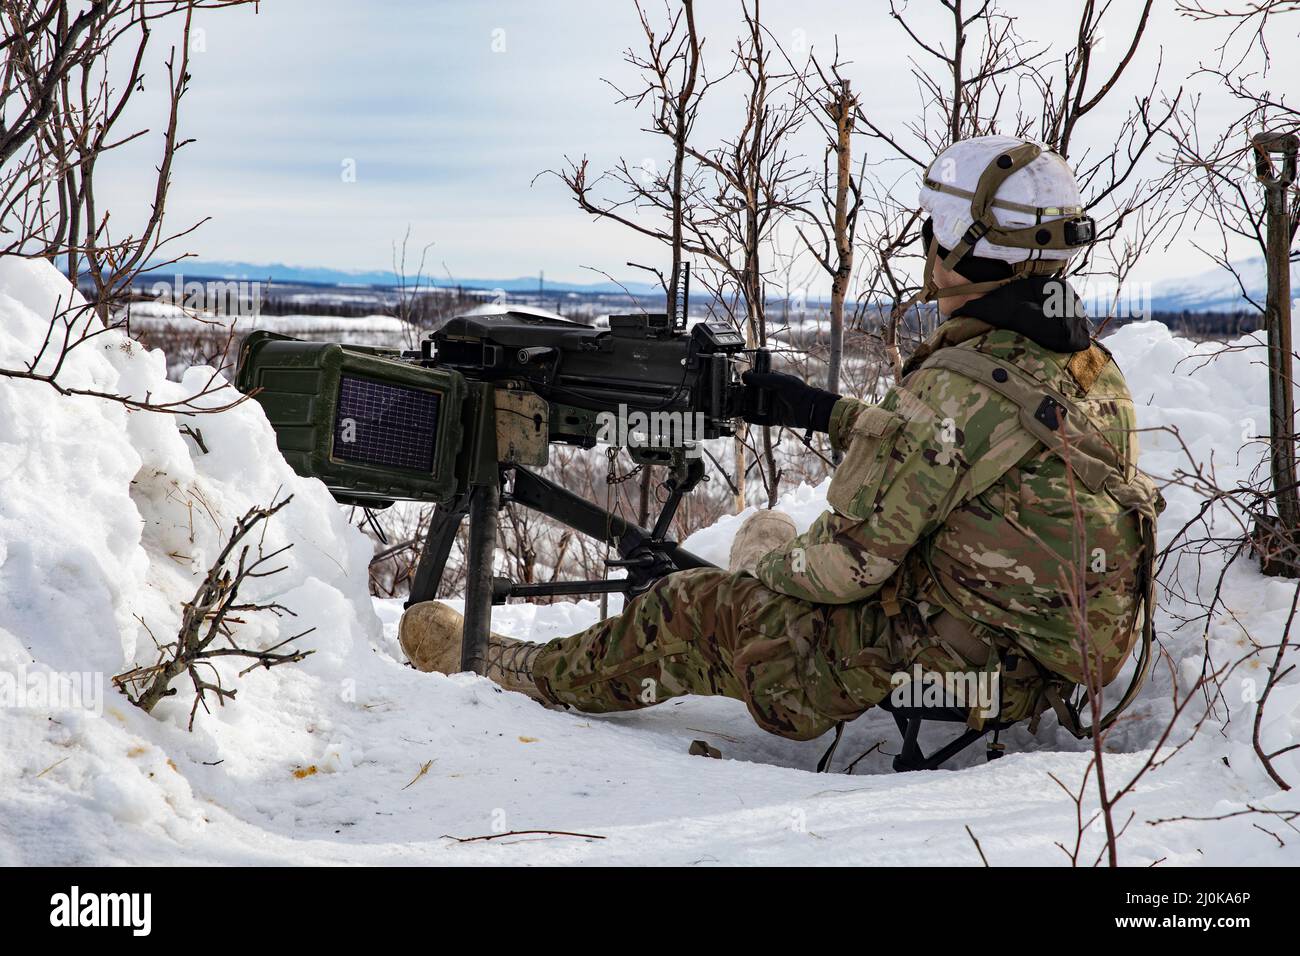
x,y
1029,186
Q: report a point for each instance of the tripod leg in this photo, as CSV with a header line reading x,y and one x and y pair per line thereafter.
x,y
483,504
443,526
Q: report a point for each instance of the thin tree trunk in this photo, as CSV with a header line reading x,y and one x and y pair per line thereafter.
x,y
844,106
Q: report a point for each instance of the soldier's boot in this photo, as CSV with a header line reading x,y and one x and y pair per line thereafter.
x,y
761,532
430,635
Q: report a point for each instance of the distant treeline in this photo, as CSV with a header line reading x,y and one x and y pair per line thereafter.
x,y
1203,325
1193,324
287,306
417,309
425,310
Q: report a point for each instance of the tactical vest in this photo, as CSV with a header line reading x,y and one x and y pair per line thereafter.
x,y
1053,424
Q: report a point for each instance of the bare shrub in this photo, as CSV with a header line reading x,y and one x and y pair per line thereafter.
x,y
207,626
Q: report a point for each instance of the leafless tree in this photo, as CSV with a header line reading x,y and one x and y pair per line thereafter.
x,y
70,71
755,181
1219,195
834,105
410,305
1238,187
647,200
983,78
718,205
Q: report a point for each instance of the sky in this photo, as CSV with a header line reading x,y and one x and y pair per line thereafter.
x,y
324,129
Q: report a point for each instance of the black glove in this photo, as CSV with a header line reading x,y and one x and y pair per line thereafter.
x,y
791,401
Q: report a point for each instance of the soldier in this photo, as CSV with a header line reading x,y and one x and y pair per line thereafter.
x,y
988,515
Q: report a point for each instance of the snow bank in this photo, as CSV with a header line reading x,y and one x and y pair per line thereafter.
x,y
1216,398
108,519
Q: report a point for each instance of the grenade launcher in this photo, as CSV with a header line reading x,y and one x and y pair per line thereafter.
x,y
463,421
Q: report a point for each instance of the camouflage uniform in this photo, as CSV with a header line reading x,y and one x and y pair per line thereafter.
x,y
945,509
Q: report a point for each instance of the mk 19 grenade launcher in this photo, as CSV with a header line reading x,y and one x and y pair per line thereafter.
x,y
463,421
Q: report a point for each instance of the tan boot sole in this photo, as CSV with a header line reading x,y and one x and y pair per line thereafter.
x,y
430,634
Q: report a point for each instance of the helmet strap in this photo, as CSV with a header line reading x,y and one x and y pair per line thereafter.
x,y
930,291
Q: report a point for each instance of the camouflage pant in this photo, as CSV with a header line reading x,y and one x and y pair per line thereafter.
x,y
799,667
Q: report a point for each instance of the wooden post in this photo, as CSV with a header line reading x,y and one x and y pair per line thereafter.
x,y
1278,549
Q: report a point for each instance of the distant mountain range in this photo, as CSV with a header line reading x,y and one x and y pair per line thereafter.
x,y
320,275
1214,290
1217,290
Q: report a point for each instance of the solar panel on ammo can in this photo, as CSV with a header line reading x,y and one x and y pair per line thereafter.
x,y
371,427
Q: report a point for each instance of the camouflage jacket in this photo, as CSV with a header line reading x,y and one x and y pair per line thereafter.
x,y
942,487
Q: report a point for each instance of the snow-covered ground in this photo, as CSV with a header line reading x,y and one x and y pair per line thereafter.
x,y
108,518
357,330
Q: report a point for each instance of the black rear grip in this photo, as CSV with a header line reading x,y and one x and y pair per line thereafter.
x,y
763,401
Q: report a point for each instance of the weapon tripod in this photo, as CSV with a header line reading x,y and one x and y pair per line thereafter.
x,y
645,554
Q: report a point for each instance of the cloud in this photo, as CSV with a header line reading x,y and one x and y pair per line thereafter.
x,y
450,109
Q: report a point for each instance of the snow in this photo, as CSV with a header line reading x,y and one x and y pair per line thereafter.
x,y
159,316
108,519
